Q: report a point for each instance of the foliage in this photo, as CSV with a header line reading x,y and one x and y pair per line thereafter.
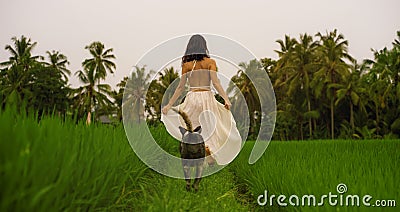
x,y
318,82
133,102
317,85
94,96
27,79
158,91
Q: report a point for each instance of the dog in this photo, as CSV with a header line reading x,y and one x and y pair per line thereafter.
x,y
193,152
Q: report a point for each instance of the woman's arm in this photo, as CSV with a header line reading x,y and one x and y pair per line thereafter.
x,y
217,85
178,92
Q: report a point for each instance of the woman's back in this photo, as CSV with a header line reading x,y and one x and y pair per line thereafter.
x,y
200,76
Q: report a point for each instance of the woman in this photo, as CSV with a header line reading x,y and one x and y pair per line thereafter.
x,y
222,139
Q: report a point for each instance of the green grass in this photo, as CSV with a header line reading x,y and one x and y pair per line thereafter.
x,y
217,193
64,166
317,167
54,165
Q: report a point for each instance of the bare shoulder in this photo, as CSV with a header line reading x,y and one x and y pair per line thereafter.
x,y
209,60
212,65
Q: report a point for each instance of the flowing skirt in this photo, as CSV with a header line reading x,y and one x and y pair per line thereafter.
x,y
219,129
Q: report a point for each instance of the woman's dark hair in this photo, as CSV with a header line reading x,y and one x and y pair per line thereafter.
x,y
196,49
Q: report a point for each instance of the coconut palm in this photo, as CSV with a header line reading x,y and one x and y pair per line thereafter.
x,y
286,45
17,74
87,98
378,92
331,53
118,97
58,62
134,95
301,66
396,42
351,90
95,69
251,95
101,61
21,53
157,90
284,54
384,83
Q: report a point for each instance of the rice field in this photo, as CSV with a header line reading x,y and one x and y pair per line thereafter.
x,y
365,167
55,165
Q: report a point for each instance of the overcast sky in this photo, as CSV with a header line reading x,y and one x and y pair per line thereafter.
x,y
132,28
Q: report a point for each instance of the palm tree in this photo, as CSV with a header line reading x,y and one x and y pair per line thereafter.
x,y
21,53
101,61
284,54
351,90
58,62
378,91
157,90
118,97
134,95
331,54
252,96
286,45
302,66
87,99
396,42
18,74
95,69
384,81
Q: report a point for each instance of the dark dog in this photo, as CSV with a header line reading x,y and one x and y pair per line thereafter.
x,y
193,152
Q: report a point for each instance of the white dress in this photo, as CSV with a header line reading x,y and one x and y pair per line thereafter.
x,y
218,125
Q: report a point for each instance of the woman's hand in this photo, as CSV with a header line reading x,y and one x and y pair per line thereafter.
x,y
166,108
228,104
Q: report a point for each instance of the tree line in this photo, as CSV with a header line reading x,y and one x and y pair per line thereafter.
x,y
40,83
321,90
